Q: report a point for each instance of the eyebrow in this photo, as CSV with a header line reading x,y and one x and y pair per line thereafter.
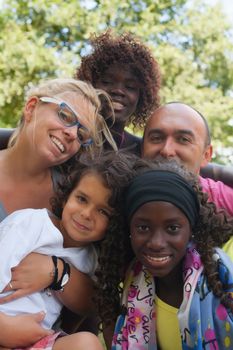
x,y
111,76
107,207
82,193
176,132
185,132
152,131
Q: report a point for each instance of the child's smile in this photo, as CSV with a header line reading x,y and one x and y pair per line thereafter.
x,y
86,213
160,233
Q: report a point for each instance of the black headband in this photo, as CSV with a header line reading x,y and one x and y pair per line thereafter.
x,y
166,186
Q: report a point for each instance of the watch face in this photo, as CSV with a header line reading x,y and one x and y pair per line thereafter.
x,y
65,279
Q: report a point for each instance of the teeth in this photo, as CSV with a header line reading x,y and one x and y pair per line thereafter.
x,y
58,144
117,105
157,259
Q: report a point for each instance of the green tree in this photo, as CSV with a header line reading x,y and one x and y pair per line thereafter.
x,y
191,40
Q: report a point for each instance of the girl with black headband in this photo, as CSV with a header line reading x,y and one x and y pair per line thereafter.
x,y
178,288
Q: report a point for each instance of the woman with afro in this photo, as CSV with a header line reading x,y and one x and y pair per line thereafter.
x,y
125,68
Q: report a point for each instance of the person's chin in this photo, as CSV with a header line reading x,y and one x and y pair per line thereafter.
x,y
55,159
121,118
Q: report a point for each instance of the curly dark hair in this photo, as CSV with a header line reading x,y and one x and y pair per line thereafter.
x,y
124,49
213,229
113,167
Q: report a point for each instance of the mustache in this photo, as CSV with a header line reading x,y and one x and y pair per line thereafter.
x,y
160,158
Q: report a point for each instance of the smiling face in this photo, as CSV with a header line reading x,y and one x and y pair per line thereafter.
x,y
177,131
122,85
160,233
50,139
86,213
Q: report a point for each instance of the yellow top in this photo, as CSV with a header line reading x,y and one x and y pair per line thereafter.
x,y
228,248
168,333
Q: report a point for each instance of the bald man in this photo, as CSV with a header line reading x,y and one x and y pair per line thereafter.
x,y
176,130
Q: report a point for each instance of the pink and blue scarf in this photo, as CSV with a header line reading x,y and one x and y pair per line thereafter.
x,y
204,322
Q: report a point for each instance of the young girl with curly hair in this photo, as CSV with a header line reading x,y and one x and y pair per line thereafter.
x,y
125,68
84,214
177,292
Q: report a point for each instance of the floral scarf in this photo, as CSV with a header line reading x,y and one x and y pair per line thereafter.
x,y
204,322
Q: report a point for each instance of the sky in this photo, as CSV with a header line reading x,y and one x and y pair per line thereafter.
x,y
227,7
226,4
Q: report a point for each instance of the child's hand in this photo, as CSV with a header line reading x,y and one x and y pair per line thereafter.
x,y
22,330
31,275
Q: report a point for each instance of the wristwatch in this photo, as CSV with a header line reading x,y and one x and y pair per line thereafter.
x,y
58,285
65,279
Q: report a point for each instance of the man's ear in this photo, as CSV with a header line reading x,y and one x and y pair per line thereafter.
x,y
207,155
29,108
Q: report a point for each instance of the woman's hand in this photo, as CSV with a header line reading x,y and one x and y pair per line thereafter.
x,y
31,275
22,330
34,273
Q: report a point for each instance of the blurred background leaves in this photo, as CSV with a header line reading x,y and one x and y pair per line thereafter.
x,y
192,41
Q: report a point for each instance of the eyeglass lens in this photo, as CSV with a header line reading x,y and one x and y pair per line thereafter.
x,y
69,119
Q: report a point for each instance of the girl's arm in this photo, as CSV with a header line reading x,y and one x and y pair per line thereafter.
x,y
78,292
108,335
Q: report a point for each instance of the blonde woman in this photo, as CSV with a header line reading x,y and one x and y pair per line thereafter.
x,y
61,119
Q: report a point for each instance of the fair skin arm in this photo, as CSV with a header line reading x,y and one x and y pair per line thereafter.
x,y
22,330
76,296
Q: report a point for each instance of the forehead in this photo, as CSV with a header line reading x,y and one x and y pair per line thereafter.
x,y
158,211
120,71
91,182
177,117
74,99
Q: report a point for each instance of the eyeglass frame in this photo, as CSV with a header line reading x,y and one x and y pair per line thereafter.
x,y
61,104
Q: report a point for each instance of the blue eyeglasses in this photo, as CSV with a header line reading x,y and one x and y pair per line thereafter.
x,y
69,118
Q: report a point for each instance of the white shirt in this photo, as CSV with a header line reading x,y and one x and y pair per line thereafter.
x,y
31,230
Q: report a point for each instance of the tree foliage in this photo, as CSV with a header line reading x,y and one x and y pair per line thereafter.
x,y
191,40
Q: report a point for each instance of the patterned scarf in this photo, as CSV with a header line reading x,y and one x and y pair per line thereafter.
x,y
204,322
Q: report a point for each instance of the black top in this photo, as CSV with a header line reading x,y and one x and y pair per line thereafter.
x,y
131,142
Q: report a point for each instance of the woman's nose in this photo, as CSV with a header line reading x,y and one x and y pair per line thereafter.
x,y
117,89
71,132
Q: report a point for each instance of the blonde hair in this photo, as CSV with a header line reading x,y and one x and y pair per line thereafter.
x,y
49,88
